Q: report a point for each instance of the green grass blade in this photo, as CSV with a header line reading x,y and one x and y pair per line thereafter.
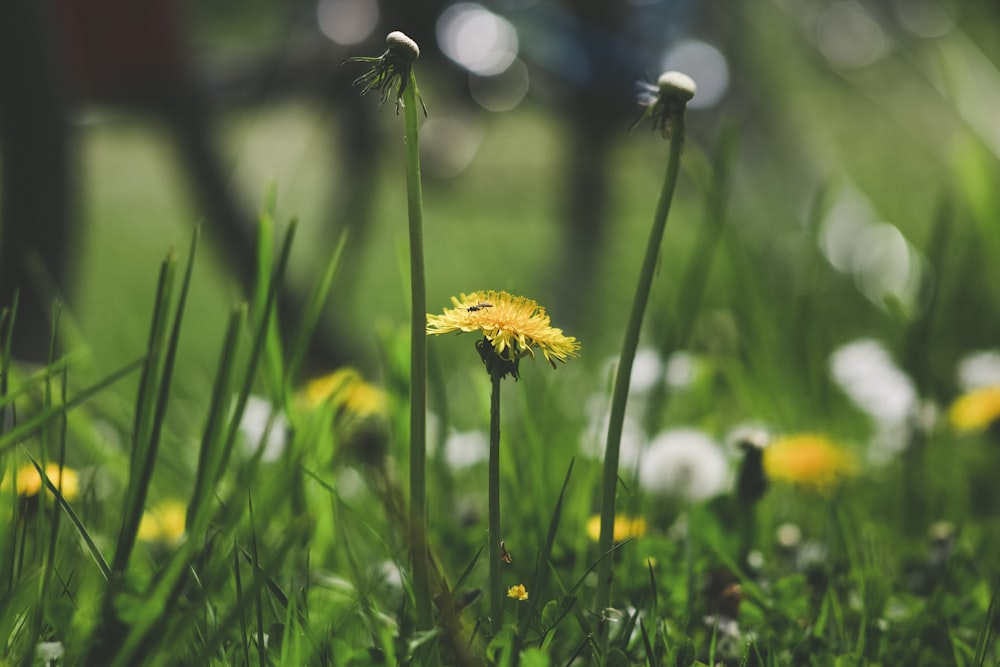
x,y
30,427
137,498
989,623
92,548
260,338
212,454
144,414
540,578
240,606
260,310
314,310
257,597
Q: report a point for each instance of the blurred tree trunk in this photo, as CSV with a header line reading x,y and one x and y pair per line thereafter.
x,y
36,187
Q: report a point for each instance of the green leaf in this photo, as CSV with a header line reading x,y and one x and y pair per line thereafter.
x,y
684,653
555,610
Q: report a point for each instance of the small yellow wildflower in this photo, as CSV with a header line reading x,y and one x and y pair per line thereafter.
x,y
518,592
345,388
625,527
975,410
513,325
163,523
29,482
808,460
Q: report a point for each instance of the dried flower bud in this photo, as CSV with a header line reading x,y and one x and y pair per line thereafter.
x,y
400,44
390,70
665,101
677,85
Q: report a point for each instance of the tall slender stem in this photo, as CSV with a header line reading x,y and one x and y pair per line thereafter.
x,y
496,587
620,395
418,364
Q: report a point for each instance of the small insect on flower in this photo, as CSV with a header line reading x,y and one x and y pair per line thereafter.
x,y
479,306
504,555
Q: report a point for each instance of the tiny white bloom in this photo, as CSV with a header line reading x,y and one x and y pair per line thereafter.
x,y
466,449
867,374
978,370
686,463
254,424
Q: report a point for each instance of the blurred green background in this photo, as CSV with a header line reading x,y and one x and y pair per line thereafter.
x,y
856,123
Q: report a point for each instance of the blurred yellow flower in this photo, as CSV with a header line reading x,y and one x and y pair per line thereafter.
x,y
975,410
625,527
518,592
345,388
29,482
163,523
809,460
514,325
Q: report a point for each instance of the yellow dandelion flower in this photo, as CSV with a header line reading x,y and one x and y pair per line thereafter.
x,y
975,410
329,387
514,325
29,482
625,527
163,523
518,592
345,388
808,460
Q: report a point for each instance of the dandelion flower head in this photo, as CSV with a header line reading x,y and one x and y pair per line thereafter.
x,y
808,460
30,482
518,592
163,523
975,410
345,388
514,325
626,527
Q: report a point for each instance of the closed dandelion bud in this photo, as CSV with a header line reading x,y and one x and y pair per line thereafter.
x,y
665,102
401,45
677,86
390,70
752,482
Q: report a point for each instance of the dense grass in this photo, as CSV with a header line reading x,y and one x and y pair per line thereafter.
x,y
301,556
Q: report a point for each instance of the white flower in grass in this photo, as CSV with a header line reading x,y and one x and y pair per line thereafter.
x,y
466,449
49,653
978,370
865,371
684,463
595,436
867,374
647,369
681,369
254,424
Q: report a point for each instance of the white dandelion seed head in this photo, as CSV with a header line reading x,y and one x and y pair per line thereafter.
x,y
978,370
465,449
866,372
686,463
253,426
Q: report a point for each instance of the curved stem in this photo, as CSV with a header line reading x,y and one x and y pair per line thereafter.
x,y
418,364
496,587
620,395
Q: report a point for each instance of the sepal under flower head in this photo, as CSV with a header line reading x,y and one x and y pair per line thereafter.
x,y
669,97
390,69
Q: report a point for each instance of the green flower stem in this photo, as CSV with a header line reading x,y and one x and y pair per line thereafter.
x,y
496,587
418,364
620,396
